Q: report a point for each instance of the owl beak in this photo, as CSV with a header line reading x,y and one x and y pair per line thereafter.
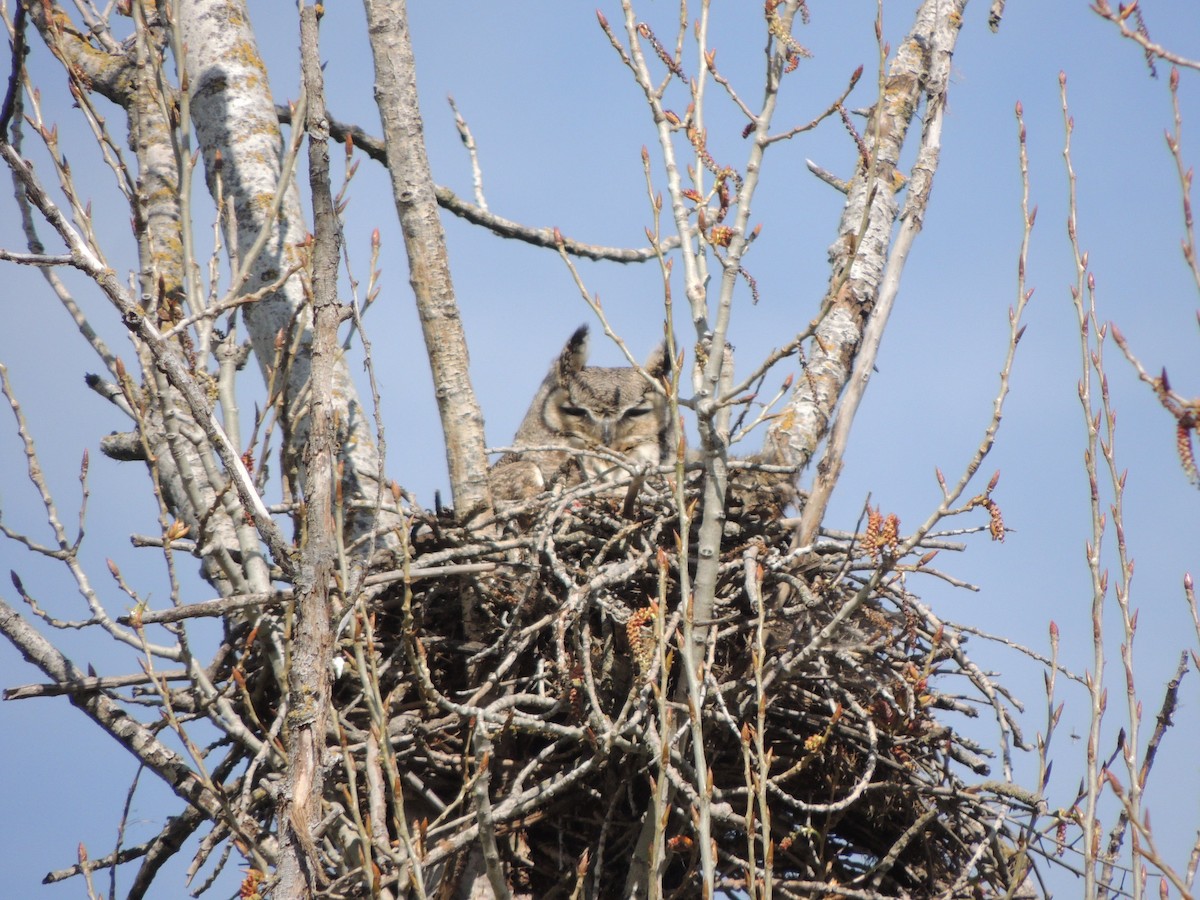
x,y
606,433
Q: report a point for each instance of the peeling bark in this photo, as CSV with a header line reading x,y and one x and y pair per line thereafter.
x,y
234,116
860,254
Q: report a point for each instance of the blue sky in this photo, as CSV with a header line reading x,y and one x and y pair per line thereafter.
x,y
560,128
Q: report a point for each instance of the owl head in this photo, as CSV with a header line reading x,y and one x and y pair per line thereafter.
x,y
611,408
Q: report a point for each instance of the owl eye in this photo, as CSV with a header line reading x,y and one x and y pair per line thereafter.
x,y
576,412
637,411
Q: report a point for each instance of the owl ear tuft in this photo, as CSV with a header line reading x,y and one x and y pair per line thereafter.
x,y
659,363
574,355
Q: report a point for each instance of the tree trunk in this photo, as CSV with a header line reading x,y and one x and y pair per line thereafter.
x,y
862,251
235,121
428,261
308,722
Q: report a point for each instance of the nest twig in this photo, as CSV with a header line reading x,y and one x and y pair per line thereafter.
x,y
536,680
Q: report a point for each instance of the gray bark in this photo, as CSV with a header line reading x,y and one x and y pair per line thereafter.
x,y
428,262
190,485
234,117
859,255
300,866
921,66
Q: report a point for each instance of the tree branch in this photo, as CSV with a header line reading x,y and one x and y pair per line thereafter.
x,y
428,263
128,732
921,65
301,869
478,215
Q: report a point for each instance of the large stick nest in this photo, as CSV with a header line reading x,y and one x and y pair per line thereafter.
x,y
529,705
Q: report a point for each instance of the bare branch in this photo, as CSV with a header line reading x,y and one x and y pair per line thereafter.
x,y
477,214
861,255
136,738
1139,35
429,270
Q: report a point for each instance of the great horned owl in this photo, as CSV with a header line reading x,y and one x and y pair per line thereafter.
x,y
588,408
